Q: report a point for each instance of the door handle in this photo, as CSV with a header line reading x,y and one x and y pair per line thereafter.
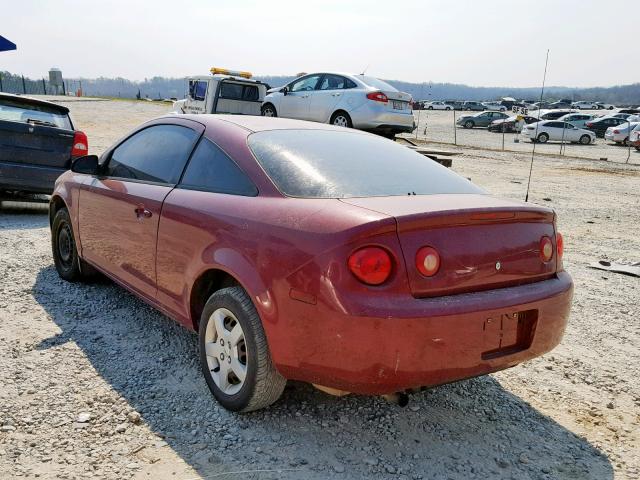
x,y
304,96
142,212
335,94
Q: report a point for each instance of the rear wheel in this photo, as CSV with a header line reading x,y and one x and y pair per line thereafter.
x,y
234,354
430,108
626,142
68,263
585,139
448,108
269,110
341,119
543,138
468,124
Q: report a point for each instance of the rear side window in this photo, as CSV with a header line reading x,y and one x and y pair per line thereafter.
x,y
336,164
16,111
155,154
236,91
210,169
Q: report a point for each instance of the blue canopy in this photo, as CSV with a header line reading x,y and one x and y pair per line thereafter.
x,y
6,44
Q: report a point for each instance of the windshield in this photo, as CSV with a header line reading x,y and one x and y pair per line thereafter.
x,y
16,111
379,84
335,164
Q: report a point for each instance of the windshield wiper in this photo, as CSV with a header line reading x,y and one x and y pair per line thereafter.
x,y
41,122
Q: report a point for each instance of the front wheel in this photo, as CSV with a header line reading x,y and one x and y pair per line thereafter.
x,y
341,119
234,354
68,263
430,108
468,124
269,110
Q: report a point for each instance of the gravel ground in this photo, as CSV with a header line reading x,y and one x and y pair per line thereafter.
x,y
95,384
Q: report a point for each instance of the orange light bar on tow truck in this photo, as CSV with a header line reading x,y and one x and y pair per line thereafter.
x,y
224,71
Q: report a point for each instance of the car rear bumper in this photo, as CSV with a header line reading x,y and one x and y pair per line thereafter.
x,y
28,178
380,118
426,342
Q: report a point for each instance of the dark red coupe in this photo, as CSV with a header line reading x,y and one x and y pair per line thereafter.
x,y
323,254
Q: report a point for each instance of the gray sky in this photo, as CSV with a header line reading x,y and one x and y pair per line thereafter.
x,y
476,42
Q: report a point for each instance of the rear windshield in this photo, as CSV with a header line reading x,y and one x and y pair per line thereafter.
x,y
379,84
16,111
335,164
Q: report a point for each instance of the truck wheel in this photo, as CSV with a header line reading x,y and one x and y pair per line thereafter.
x,y
341,119
234,354
269,110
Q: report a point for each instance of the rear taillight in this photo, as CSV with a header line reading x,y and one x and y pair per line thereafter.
x,y
371,265
80,145
428,261
377,97
589,124
559,245
546,249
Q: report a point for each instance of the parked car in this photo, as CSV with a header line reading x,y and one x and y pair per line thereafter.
x,y
634,138
554,114
630,111
482,119
282,242
345,100
455,104
583,105
557,131
38,143
509,124
600,125
577,119
474,106
604,106
495,106
620,134
560,104
622,115
437,106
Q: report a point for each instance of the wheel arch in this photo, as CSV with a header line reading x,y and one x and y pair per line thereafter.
x,y
340,110
205,285
55,205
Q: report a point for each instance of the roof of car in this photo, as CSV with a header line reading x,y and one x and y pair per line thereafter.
x,y
33,101
257,124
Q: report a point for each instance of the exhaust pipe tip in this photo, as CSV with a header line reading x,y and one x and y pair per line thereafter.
x,y
399,398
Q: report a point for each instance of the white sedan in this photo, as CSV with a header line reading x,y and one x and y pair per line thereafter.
x,y
577,119
620,134
437,106
582,105
557,131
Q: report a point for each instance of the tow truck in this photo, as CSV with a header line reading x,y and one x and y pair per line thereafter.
x,y
224,91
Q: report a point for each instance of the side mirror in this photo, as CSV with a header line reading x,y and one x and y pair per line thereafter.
x,y
87,164
285,90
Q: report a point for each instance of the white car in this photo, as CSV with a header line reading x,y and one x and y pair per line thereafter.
x,y
582,105
437,106
496,106
345,100
634,138
605,106
577,119
620,134
557,131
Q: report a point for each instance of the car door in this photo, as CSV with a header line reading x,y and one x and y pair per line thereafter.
x,y
571,133
297,101
327,95
554,130
200,219
119,209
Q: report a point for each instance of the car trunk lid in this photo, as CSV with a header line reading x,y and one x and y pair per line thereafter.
x,y
483,242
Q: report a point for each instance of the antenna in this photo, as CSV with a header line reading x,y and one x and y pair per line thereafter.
x,y
544,79
365,69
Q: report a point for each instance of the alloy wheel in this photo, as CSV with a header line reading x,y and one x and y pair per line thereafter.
x,y
226,351
341,121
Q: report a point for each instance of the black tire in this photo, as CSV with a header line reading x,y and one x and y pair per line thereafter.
x,y
585,139
263,385
543,138
448,109
268,110
638,148
625,142
430,107
68,263
469,124
342,119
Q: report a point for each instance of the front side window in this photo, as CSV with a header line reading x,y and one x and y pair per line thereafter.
x,y
305,84
155,154
210,169
199,90
330,164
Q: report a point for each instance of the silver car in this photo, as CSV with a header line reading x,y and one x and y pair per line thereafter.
x,y
357,101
